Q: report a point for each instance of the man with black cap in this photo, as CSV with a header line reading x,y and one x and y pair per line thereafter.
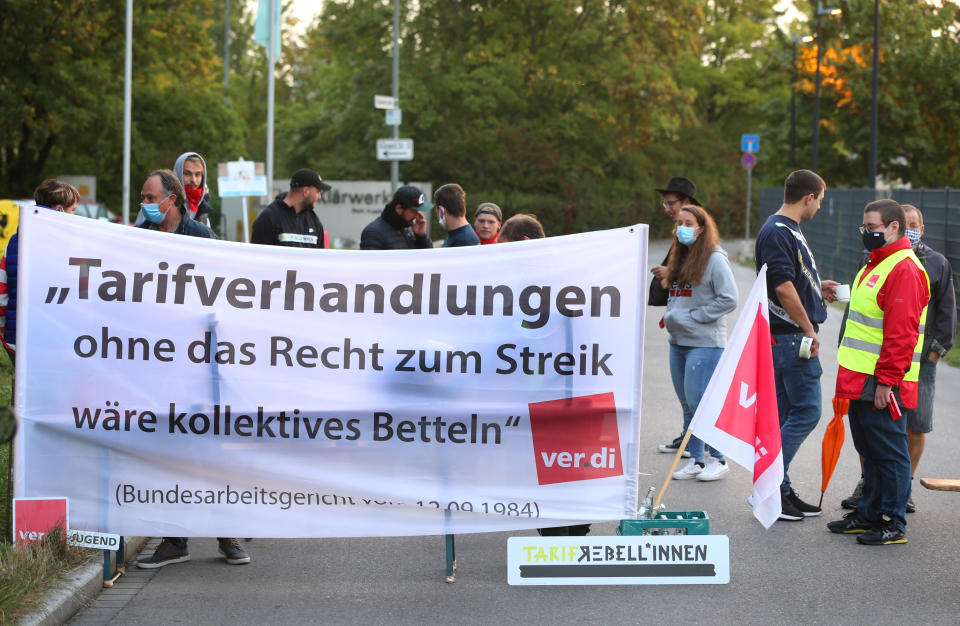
x,y
678,193
487,221
401,224
290,220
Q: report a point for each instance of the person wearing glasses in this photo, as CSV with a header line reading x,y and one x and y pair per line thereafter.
x,y
678,193
796,300
879,372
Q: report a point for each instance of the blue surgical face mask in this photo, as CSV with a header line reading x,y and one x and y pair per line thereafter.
x,y
685,235
151,211
914,237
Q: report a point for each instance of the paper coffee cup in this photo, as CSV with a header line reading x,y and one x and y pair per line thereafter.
x,y
843,293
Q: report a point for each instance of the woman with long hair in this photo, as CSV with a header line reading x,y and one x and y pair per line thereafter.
x,y
702,292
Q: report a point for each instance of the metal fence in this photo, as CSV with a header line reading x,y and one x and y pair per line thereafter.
x,y
833,233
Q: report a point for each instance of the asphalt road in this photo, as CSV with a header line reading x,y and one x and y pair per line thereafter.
x,y
795,572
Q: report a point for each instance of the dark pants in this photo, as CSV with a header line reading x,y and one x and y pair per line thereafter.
x,y
181,542
882,442
578,530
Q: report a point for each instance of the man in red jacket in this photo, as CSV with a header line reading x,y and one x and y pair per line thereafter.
x,y
879,360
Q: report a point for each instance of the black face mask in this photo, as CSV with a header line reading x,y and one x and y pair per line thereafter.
x,y
873,241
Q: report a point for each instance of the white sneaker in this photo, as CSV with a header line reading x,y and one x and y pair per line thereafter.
x,y
714,470
688,472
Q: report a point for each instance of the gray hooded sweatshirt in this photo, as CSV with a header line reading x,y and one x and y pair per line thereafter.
x,y
204,207
696,314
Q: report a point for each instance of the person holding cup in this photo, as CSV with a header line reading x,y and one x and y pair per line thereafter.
x,y
797,305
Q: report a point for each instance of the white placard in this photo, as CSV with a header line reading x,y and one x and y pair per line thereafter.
x,y
305,393
90,539
384,102
627,560
394,149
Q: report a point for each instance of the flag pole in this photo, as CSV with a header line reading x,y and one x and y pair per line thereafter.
x,y
673,468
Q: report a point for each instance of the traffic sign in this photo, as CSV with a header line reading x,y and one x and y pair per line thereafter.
x,y
748,160
394,149
394,117
384,102
749,143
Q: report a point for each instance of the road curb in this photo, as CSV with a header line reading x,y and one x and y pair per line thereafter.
x,y
77,589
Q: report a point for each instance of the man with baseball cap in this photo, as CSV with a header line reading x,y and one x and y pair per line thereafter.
x,y
290,220
487,221
401,224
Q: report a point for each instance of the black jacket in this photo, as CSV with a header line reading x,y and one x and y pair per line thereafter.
x,y
942,310
280,225
390,232
187,226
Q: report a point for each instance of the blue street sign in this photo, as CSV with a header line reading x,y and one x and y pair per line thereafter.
x,y
749,143
748,160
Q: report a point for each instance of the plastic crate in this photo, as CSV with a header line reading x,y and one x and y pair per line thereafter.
x,y
668,523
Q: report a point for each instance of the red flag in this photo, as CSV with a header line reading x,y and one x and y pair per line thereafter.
x,y
738,412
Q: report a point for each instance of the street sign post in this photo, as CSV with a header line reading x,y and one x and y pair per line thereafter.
x,y
748,160
394,149
394,117
384,102
749,143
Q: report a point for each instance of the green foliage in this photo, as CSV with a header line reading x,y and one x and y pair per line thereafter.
x,y
550,107
61,88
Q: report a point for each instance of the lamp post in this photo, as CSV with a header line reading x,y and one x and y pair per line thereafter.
x,y
874,106
793,97
816,87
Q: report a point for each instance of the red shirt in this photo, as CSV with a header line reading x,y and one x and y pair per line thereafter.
x,y
902,298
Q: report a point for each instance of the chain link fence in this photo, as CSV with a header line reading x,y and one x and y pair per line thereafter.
x,y
833,233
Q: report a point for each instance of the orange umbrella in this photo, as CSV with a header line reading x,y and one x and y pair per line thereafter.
x,y
832,442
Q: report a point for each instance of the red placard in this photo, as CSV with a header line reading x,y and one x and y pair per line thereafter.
x,y
33,518
748,160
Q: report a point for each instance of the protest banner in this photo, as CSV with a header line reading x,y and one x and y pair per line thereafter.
x,y
186,387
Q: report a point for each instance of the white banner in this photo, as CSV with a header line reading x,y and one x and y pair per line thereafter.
x,y
178,386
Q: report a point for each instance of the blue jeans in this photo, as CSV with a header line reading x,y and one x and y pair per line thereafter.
x,y
882,442
691,369
798,396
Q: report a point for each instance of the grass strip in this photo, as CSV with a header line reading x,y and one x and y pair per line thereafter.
x,y
29,570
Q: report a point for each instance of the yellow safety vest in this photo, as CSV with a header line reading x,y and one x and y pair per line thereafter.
x,y
860,348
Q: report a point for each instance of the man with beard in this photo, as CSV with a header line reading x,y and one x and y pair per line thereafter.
x,y
290,220
401,225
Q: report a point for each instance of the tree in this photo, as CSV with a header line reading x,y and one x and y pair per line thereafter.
x,y
62,89
547,106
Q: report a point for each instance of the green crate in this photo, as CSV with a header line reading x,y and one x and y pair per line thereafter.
x,y
668,523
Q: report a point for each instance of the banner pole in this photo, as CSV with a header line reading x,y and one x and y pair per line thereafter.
x,y
673,468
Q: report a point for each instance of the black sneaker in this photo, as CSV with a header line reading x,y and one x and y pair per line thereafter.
x,y
671,448
911,507
851,524
883,534
808,510
165,554
854,499
233,551
788,511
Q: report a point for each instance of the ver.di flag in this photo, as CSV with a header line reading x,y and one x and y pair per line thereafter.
x,y
738,412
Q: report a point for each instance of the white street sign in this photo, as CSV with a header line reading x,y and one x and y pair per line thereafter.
x,y
384,102
90,539
394,117
394,149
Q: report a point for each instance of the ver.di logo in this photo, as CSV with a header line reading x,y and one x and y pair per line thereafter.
x,y
576,438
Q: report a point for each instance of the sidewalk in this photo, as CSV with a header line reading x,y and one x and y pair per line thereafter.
x,y
793,573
